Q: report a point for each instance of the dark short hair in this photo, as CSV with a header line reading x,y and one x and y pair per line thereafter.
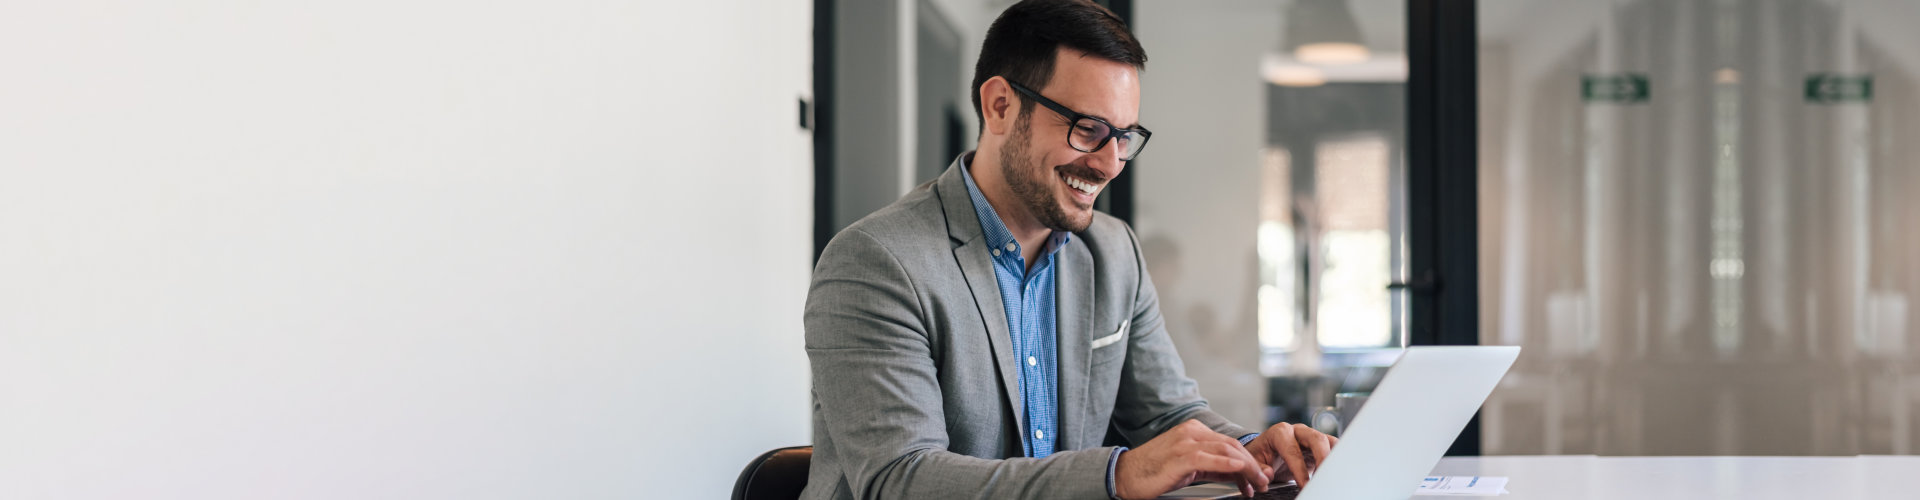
x,y
1021,44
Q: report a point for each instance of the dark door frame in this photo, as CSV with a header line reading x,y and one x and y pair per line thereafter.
x,y
1117,200
822,120
1442,198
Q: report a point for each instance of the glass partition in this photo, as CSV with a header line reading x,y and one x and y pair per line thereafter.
x,y
1697,217
1271,207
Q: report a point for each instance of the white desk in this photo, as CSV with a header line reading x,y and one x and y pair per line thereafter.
x,y
1690,478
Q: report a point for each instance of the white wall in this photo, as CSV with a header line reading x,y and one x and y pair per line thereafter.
x,y
400,249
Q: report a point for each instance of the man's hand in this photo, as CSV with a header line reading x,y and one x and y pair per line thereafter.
x,y
1291,449
1186,453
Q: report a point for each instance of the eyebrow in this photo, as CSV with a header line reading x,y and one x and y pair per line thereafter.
x,y
1135,125
1109,121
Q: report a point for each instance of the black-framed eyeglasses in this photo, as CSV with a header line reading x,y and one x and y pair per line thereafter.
x,y
1088,134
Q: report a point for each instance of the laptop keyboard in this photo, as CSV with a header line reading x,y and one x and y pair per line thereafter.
x,y
1287,492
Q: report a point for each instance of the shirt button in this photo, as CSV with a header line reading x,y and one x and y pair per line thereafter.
x,y
1009,247
1032,361
996,252
1039,435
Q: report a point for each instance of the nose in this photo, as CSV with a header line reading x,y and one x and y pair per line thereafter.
x,y
1108,159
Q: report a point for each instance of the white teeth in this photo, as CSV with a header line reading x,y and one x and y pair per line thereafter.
x,y
1084,187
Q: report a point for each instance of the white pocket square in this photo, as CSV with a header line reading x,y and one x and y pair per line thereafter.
x,y
1110,339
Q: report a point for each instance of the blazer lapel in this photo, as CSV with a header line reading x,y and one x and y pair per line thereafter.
x,y
1073,314
963,226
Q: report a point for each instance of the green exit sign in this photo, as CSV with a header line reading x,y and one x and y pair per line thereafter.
x,y
1833,88
1623,88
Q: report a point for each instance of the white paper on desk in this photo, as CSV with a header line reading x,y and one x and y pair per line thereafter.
x,y
1462,486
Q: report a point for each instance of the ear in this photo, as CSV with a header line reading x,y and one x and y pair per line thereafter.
x,y
997,105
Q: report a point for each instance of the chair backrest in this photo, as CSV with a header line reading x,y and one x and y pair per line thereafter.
x,y
775,475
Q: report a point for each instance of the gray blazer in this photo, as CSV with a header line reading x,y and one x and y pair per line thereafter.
x,y
914,379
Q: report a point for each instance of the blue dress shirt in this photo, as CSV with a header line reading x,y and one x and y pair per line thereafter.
x,y
1028,296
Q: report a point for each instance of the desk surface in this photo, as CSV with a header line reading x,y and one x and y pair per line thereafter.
x,y
1661,478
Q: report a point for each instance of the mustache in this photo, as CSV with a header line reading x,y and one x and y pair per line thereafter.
x,y
1082,172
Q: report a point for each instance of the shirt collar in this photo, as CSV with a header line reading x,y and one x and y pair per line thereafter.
x,y
998,236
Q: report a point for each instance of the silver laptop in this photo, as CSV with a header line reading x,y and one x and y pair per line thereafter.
x,y
1402,431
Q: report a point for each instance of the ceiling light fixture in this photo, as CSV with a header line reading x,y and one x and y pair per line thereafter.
x,y
1324,32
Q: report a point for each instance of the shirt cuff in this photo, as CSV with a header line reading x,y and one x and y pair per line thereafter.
x,y
1112,463
1248,438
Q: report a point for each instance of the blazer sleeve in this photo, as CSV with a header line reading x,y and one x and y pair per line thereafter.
x,y
876,382
1155,392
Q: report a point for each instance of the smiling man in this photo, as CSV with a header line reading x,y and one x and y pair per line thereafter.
x,y
990,335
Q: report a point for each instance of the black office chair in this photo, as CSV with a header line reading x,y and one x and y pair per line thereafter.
x,y
775,475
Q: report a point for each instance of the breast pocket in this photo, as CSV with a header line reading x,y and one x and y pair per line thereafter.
x,y
1112,346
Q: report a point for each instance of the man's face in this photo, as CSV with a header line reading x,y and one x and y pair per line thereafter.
x,y
1056,182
